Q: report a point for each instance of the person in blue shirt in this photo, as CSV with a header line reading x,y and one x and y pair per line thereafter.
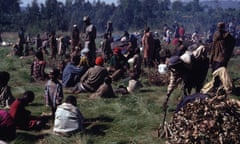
x,y
72,72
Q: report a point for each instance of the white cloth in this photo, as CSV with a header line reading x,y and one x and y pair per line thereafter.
x,y
201,51
133,85
162,68
186,57
68,118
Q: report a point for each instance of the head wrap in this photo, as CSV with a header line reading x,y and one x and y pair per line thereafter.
x,y
116,50
99,61
83,61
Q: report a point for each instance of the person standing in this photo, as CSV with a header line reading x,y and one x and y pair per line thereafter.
x,y
182,32
38,43
109,27
53,91
148,48
53,45
90,36
222,47
75,37
106,48
220,54
21,41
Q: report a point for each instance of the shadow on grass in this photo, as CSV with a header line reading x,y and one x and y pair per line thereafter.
x,y
100,118
97,129
145,90
28,137
36,104
97,126
236,86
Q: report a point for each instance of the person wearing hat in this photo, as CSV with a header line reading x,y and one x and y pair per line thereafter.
x,y
75,37
92,78
220,54
90,36
118,64
53,91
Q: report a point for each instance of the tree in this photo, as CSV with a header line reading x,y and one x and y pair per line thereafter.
x,y
194,6
177,6
9,6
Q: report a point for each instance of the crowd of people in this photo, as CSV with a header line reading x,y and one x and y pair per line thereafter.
x,y
88,69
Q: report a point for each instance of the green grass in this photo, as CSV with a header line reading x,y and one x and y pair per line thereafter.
x,y
133,118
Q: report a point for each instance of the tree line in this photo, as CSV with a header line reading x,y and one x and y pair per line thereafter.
x,y
125,15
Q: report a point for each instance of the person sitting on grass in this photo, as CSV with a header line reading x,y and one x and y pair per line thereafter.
x,y
53,91
6,97
105,90
137,62
118,65
72,73
93,78
7,126
68,118
22,117
38,67
133,84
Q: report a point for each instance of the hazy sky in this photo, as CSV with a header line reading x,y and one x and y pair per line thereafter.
x,y
25,2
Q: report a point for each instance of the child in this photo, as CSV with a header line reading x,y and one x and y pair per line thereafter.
x,y
6,97
38,67
53,91
133,84
105,90
68,119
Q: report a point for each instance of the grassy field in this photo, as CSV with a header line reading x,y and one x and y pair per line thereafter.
x,y
132,118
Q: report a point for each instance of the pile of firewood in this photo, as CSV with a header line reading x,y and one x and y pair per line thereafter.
x,y
207,121
155,78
